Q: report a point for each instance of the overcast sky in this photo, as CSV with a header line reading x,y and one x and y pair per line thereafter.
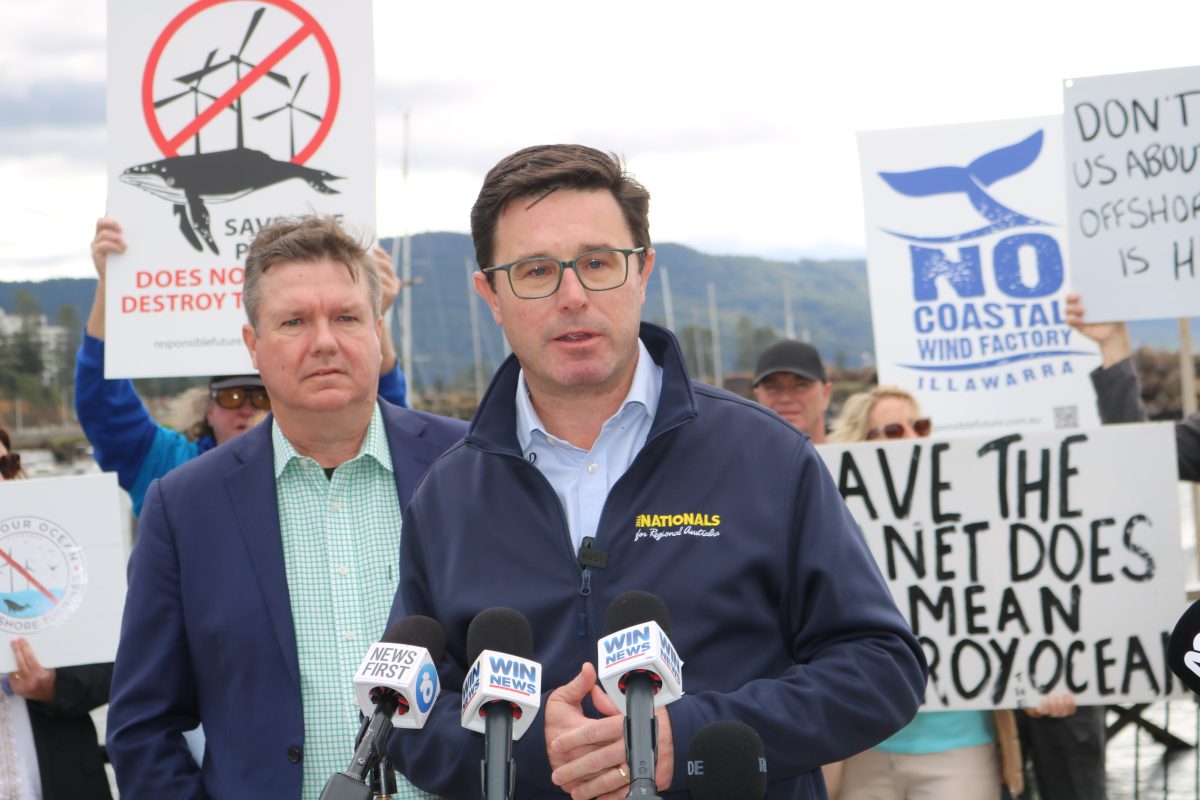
x,y
739,117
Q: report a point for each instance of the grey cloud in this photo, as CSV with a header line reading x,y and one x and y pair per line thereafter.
x,y
52,104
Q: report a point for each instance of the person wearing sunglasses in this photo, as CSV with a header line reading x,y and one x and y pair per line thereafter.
x,y
48,743
125,438
964,754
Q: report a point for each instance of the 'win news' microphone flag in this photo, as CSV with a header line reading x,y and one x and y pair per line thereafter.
x,y
640,670
501,693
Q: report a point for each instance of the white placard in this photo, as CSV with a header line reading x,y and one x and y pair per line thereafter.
x,y
223,115
1071,583
968,277
1133,192
62,569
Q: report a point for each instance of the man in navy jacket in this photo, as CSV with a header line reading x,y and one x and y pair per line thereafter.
x,y
210,632
593,438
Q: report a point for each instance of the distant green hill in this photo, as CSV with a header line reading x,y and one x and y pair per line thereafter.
x,y
829,302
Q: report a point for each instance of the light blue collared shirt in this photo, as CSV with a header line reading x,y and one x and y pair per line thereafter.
x,y
582,478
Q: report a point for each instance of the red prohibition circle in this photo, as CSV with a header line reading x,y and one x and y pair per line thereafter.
x,y
309,27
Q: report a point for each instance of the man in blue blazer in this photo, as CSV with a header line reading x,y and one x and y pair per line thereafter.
x,y
222,621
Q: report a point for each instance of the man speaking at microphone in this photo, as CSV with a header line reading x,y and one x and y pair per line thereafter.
x,y
593,466
264,568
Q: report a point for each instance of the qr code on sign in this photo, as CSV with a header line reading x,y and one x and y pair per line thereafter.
x,y
1066,417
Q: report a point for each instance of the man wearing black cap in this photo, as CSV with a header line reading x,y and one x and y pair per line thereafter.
x,y
790,380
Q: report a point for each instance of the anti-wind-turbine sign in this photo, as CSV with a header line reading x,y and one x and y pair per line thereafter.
x,y
224,90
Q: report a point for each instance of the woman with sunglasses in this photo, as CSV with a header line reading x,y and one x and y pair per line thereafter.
x,y
885,412
125,438
48,744
940,753
959,754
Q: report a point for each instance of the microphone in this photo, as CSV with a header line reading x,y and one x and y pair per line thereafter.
x,y
640,670
501,693
1183,648
396,685
726,762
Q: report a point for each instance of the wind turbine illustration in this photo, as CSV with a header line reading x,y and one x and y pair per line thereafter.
x,y
192,78
291,108
238,62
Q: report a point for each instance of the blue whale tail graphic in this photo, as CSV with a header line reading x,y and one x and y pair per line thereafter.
x,y
971,181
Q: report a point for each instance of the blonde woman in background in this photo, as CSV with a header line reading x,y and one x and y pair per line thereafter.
x,y
950,754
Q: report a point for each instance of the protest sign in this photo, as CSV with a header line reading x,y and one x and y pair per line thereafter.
x,y
968,277
1132,169
1028,564
222,116
62,569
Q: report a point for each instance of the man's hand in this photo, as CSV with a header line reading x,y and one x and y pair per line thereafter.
x,y
588,755
31,680
1113,337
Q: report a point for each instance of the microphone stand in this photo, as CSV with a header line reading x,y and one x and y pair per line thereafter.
x,y
641,735
352,784
498,770
383,780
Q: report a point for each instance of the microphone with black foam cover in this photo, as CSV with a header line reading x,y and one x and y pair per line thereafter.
x,y
396,685
726,762
1183,648
501,693
640,670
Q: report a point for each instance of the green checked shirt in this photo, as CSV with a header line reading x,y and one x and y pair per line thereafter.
x,y
341,541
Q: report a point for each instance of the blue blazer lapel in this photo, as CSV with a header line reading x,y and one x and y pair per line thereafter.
x,y
251,487
412,452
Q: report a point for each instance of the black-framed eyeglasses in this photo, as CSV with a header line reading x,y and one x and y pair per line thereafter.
x,y
235,397
10,465
598,271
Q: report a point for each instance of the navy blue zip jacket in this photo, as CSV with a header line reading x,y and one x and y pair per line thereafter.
x,y
778,610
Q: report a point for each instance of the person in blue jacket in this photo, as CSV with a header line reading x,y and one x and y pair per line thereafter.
x,y
264,568
124,436
594,466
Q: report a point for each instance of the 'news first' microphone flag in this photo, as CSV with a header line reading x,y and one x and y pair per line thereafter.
x,y
1183,650
403,663
643,646
507,674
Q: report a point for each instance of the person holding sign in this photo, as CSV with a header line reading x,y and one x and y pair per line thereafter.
x,y
127,440
938,754
263,568
1118,395
48,744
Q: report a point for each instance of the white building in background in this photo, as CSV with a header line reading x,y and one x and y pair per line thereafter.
x,y
53,339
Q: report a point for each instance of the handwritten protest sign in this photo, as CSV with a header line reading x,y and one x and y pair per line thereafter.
x,y
1133,192
222,116
1027,564
62,569
967,275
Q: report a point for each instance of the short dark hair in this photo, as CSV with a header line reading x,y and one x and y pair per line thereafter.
x,y
308,238
540,170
